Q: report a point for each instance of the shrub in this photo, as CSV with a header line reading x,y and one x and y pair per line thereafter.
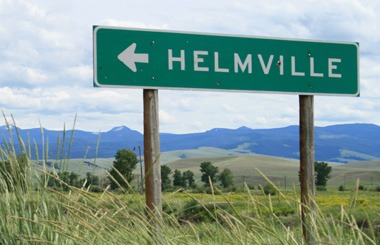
x,y
269,189
341,188
321,188
193,211
377,188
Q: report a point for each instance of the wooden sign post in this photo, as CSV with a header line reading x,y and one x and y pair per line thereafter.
x,y
306,105
152,158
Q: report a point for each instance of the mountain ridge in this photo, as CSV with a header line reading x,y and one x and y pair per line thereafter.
x,y
335,143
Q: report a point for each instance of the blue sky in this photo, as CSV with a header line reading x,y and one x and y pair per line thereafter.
x,y
46,62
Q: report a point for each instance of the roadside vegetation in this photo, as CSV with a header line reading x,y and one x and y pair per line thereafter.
x,y
44,206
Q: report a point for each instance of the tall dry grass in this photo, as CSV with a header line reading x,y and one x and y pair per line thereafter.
x,y
32,213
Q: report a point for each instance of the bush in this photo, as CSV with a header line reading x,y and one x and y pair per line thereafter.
x,y
341,188
321,188
377,188
269,189
195,212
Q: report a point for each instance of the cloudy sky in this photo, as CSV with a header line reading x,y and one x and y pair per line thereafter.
x,y
46,62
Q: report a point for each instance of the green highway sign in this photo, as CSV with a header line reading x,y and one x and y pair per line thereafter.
x,y
176,60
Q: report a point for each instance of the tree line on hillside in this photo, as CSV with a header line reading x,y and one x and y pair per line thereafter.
x,y
121,174
125,162
210,176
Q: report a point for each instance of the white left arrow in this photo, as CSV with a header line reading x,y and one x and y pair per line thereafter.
x,y
130,58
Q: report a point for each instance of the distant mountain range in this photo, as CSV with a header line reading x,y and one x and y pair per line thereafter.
x,y
337,143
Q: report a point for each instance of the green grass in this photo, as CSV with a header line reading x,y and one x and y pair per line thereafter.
x,y
44,216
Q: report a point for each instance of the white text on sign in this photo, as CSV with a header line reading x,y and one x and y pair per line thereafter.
x,y
245,64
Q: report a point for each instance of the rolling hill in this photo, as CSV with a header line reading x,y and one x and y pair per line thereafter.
x,y
282,171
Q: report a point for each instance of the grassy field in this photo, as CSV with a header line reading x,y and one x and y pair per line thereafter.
x,y
283,172
32,213
44,216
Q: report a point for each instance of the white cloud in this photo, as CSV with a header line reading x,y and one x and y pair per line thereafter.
x,y
17,99
131,24
35,77
165,117
80,73
46,61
